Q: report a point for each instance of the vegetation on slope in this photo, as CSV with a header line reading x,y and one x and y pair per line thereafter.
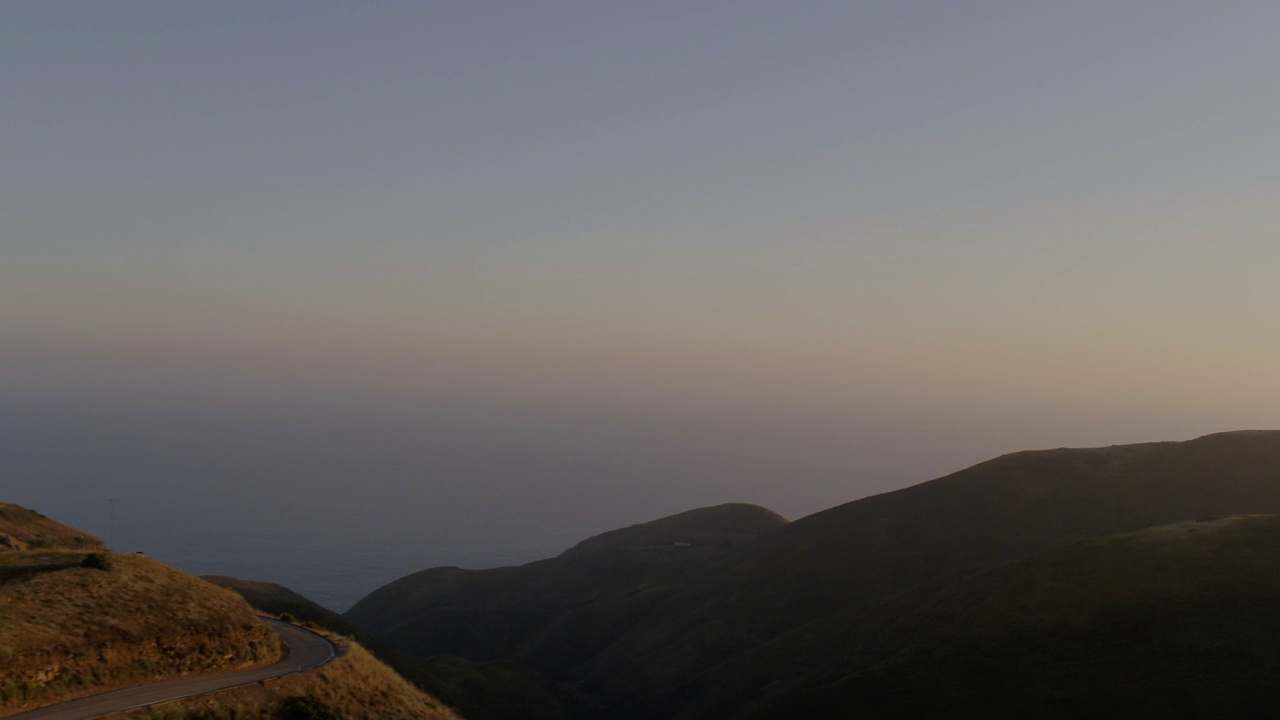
x,y
77,623
719,525
1174,621
834,568
552,615
355,686
275,599
480,691
71,630
651,632
23,529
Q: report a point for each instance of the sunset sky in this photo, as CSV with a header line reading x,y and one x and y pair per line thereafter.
x,y
584,264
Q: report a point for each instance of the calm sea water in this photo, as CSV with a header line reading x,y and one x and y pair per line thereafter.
x,y
333,569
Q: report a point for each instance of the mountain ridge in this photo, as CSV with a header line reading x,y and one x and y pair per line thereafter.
x,y
1170,621
649,638
723,524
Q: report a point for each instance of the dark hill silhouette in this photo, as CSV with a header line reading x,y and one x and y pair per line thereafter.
x,y
562,611
657,631
1012,506
726,524
480,691
1174,621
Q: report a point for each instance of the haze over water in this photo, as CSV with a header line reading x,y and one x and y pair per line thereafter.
x,y
414,284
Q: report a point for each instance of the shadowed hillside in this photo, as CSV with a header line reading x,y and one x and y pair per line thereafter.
x,y
649,637
274,599
481,691
1173,621
721,525
562,611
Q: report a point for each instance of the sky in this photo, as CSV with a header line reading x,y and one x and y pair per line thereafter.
x,y
544,269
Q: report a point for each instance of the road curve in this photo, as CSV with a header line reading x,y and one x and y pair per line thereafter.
x,y
305,650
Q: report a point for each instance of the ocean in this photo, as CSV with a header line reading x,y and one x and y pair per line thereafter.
x,y
333,569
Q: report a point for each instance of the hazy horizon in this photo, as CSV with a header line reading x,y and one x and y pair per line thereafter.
x,y
415,270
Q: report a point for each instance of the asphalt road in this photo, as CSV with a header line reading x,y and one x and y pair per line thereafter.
x,y
305,650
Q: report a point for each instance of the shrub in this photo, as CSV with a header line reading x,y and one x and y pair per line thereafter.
x,y
96,561
288,617
306,707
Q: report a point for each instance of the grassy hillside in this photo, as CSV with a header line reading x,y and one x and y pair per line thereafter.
x,y
480,691
275,599
647,631
75,623
556,613
720,525
835,567
69,630
1175,621
23,529
356,686
1015,505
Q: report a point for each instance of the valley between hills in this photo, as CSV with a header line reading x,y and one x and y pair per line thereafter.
x,y
1124,581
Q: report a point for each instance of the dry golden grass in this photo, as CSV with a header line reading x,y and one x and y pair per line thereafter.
x,y
23,529
356,686
69,631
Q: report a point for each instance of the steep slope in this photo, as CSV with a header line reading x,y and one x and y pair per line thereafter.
x,y
520,611
69,630
1174,621
834,566
480,691
76,623
719,525
355,686
23,529
1015,505
274,599
556,614
648,639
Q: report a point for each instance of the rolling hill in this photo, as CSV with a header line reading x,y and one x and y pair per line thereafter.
x,y
23,529
480,691
716,631
565,610
1172,621
75,621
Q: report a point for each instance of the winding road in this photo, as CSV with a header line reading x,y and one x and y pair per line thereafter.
x,y
305,650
